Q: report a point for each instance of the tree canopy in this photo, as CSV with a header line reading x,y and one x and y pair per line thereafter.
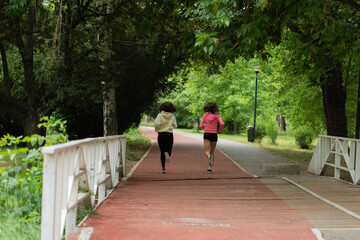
x,y
148,43
323,37
60,57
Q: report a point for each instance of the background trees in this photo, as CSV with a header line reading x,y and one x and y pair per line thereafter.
x,y
56,55
147,43
323,37
23,90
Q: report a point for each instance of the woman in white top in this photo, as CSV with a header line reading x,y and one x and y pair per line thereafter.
x,y
165,122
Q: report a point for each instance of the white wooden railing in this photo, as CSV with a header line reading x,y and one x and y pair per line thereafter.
x,y
75,173
339,153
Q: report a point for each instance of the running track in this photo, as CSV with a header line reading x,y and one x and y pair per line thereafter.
x,y
188,203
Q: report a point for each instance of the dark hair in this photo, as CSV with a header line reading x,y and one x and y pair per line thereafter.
x,y
211,107
167,107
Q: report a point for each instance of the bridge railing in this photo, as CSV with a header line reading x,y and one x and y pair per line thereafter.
x,y
341,154
78,173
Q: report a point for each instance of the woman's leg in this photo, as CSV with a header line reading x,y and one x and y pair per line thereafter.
x,y
162,143
168,146
169,143
207,147
212,149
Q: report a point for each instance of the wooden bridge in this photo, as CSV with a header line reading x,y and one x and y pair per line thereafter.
x,y
189,203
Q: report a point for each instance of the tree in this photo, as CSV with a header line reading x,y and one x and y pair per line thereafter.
x,y
148,43
23,32
324,37
295,96
232,88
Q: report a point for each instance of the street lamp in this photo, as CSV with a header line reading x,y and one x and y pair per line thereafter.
x,y
256,70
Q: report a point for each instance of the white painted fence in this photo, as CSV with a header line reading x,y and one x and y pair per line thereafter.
x,y
75,173
339,153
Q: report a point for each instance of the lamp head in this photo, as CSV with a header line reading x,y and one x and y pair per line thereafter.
x,y
256,69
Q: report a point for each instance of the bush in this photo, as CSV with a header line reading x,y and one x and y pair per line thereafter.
x,y
260,132
21,180
272,131
303,137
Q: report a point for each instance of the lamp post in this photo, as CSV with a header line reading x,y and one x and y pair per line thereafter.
x,y
256,70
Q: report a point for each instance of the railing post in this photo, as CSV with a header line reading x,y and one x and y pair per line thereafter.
x,y
357,161
337,159
70,221
123,154
48,199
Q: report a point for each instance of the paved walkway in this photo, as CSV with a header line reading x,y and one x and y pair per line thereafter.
x,y
230,203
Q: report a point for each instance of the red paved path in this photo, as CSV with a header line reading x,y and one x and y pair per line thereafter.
x,y
188,203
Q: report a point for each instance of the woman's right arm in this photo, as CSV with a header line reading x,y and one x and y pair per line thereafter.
x,y
202,122
157,122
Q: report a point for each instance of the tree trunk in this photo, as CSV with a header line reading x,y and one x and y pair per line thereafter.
x,y
30,123
7,80
109,100
26,112
235,123
281,122
25,44
110,113
334,99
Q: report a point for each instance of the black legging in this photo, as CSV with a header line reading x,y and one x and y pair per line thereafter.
x,y
165,141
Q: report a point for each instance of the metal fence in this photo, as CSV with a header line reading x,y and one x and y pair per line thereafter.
x,y
78,173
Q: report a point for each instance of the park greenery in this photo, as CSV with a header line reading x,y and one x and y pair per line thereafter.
x,y
21,171
101,64
21,179
106,62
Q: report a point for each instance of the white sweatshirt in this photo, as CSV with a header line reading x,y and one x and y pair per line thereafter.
x,y
165,122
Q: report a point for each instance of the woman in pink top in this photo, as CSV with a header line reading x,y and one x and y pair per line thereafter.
x,y
209,123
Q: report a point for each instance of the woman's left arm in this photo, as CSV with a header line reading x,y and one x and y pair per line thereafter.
x,y
221,124
174,123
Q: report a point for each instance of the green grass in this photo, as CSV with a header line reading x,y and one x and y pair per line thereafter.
x,y
136,144
285,145
147,124
12,228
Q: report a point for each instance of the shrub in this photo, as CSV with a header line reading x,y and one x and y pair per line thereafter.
x,y
21,180
260,132
303,137
272,131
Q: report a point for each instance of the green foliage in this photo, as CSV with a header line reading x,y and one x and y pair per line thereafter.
x,y
17,6
272,131
21,192
13,228
294,92
303,136
310,32
136,143
233,88
55,130
260,132
21,179
133,131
